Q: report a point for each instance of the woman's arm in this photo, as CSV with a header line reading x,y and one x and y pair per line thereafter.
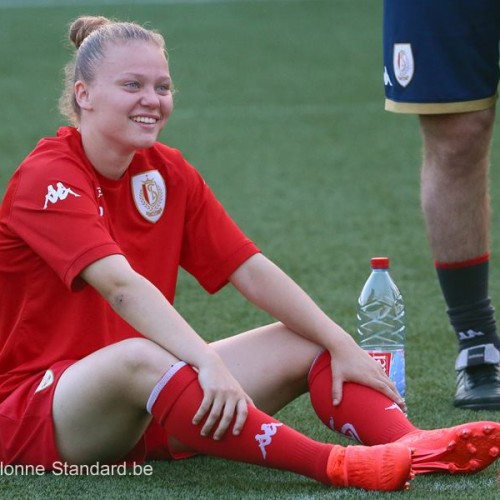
x,y
144,307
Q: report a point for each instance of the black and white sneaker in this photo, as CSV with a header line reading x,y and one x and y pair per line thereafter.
x,y
478,378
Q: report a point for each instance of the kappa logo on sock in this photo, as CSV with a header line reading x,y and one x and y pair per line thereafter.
x,y
47,380
349,431
265,439
469,334
394,406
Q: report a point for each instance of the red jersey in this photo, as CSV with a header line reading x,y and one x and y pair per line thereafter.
x,y
59,215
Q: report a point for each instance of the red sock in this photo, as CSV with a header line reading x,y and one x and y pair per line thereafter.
x,y
363,414
263,441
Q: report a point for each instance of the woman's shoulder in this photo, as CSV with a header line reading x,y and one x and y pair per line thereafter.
x,y
65,146
165,152
57,158
167,159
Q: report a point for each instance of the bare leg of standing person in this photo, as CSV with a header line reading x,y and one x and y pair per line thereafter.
x,y
455,202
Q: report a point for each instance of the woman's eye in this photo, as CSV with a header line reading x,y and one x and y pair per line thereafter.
x,y
132,85
163,89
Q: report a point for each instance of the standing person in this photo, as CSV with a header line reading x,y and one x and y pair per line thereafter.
x,y
441,63
96,365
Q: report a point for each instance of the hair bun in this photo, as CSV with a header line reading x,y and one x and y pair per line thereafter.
x,y
82,27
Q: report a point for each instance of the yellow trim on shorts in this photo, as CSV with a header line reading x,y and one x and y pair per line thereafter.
x,y
439,108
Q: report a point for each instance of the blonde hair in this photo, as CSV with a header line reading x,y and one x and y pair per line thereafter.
x,y
90,34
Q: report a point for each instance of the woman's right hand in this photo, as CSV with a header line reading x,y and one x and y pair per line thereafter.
x,y
143,306
223,397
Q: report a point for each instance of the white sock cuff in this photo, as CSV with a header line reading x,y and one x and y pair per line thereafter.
x,y
162,383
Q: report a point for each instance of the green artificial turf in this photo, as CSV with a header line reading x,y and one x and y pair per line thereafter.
x,y
280,106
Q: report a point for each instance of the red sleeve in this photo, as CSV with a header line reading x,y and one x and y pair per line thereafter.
x,y
214,246
53,208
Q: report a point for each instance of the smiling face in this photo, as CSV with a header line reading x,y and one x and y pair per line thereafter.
x,y
129,101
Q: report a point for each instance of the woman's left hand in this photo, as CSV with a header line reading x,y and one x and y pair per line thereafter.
x,y
350,363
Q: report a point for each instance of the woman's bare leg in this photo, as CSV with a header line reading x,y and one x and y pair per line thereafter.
x,y
100,402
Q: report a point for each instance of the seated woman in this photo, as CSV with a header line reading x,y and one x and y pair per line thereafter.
x,y
96,365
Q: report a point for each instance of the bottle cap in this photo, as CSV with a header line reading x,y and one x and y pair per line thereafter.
x,y
380,262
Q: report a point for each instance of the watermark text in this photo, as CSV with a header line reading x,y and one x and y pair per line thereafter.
x,y
65,469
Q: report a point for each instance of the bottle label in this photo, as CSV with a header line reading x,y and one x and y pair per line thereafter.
x,y
393,364
384,358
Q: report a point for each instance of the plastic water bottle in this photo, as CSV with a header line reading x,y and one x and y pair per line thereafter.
x,y
381,322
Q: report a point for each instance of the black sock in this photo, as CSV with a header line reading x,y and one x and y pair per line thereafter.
x,y
465,289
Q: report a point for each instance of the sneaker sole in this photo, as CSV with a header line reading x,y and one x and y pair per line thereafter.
x,y
477,405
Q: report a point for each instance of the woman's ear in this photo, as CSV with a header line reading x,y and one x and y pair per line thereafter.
x,y
82,95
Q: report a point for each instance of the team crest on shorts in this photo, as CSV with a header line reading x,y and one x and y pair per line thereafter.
x,y
150,194
404,65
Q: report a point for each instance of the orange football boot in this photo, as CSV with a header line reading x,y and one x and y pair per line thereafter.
x,y
463,449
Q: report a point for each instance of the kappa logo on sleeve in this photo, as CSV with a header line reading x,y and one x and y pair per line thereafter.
x,y
61,193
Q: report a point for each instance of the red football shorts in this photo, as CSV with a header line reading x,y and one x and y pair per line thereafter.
x,y
27,435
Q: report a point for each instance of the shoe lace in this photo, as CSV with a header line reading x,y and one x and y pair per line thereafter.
x,y
484,374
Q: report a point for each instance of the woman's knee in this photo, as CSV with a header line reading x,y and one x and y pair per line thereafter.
x,y
140,355
272,352
131,367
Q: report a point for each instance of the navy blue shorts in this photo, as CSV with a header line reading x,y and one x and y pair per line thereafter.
x,y
441,56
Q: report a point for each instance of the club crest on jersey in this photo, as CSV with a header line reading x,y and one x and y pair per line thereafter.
x,y
150,194
404,65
